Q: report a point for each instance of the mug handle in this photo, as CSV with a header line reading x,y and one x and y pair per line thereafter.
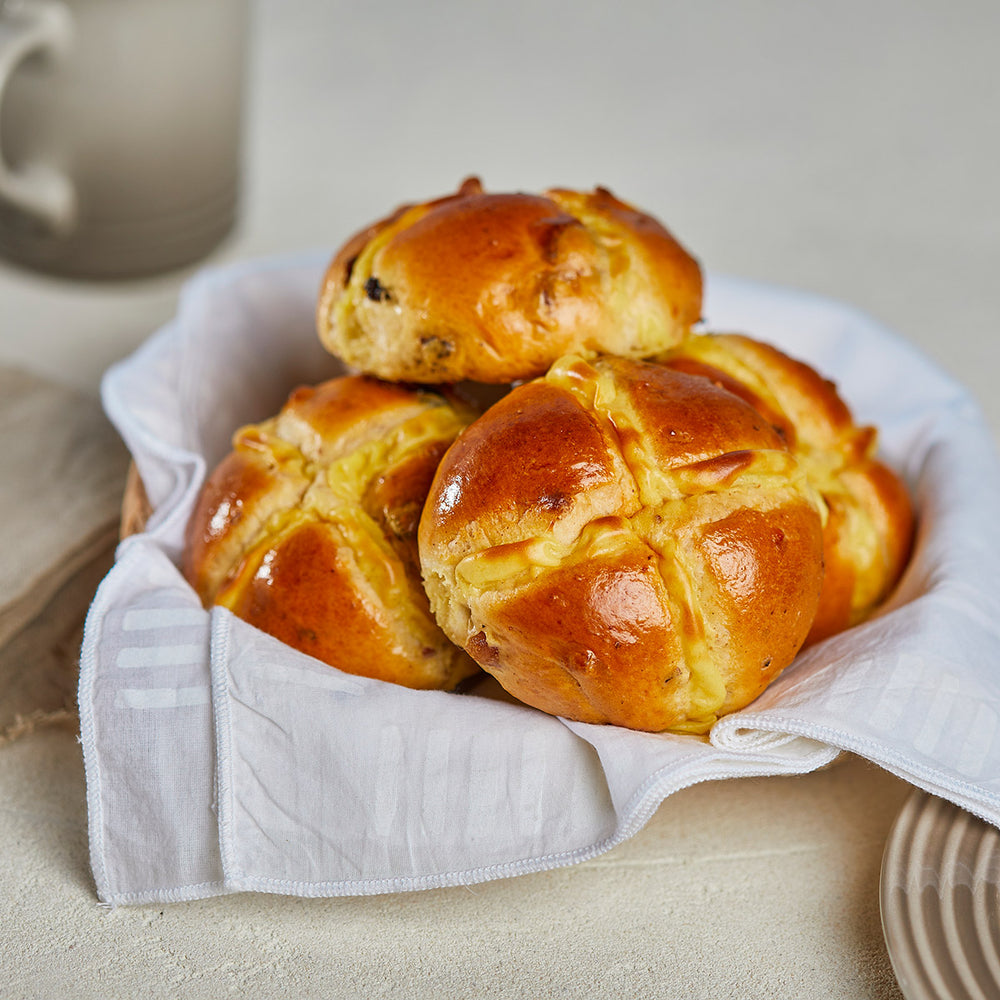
x,y
26,28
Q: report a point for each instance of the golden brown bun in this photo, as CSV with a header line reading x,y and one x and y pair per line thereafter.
x,y
494,287
307,529
869,518
620,542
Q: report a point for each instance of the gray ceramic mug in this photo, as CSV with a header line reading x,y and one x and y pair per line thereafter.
x,y
120,132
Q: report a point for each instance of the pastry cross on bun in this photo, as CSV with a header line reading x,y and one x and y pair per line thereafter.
x,y
619,542
495,287
307,529
868,518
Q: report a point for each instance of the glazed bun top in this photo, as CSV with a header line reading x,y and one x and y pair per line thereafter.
x,y
495,287
618,542
307,529
868,514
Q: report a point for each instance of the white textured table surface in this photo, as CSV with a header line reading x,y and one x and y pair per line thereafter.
x,y
848,150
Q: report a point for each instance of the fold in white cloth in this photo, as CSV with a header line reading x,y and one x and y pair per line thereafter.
x,y
219,760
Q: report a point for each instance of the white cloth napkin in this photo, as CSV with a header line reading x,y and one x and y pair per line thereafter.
x,y
219,760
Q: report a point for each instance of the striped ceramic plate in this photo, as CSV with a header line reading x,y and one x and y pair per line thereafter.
x,y
940,898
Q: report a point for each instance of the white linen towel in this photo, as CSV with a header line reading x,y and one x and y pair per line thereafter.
x,y
219,760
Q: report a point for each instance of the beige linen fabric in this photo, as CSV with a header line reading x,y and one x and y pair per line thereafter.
x,y
63,471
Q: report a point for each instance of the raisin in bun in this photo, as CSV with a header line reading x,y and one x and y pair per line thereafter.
x,y
619,542
494,287
307,529
868,516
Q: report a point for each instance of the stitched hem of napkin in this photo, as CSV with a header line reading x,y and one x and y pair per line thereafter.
x,y
180,894
88,737
88,728
223,744
963,793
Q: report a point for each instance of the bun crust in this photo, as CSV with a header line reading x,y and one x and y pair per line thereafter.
x,y
869,521
621,542
307,529
495,287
